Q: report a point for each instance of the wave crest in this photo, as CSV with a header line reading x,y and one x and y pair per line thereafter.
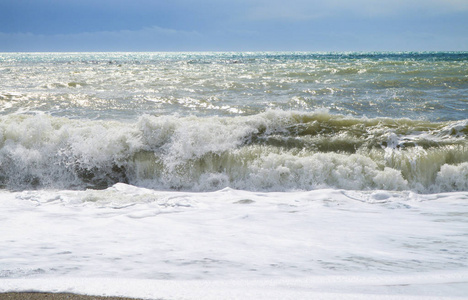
x,y
274,150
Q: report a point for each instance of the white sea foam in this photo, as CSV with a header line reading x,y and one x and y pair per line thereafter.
x,y
300,244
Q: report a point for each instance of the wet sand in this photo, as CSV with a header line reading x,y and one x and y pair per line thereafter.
x,y
52,296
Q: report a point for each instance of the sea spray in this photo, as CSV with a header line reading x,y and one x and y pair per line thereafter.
x,y
271,151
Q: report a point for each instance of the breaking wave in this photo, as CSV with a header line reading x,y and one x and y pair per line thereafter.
x,y
271,151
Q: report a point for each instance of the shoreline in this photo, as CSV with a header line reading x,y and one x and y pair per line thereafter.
x,y
56,296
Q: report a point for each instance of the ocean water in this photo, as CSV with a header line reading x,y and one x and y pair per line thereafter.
x,y
235,175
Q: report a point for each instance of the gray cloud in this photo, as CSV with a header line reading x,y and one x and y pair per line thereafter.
x,y
301,10
123,40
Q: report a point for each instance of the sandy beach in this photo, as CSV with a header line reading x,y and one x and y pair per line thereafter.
x,y
52,296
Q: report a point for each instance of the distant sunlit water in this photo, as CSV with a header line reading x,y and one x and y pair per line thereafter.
x,y
429,86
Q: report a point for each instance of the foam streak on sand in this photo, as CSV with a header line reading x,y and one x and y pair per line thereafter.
x,y
55,296
417,286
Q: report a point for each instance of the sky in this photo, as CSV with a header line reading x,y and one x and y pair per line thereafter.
x,y
233,25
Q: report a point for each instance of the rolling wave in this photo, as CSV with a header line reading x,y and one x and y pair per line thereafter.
x,y
271,151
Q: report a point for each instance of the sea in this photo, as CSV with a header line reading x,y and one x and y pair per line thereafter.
x,y
235,175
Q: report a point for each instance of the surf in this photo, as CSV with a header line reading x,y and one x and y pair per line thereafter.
x,y
271,151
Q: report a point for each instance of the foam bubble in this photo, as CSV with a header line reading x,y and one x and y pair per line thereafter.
x,y
453,177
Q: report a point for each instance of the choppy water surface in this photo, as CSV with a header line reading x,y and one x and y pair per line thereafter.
x,y
430,86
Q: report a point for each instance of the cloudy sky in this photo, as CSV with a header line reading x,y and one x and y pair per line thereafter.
x,y
233,25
